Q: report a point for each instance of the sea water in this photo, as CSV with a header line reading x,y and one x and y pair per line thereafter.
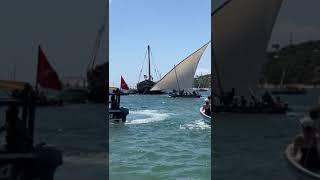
x,y
251,147
163,138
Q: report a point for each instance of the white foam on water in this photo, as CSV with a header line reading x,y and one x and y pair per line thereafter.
x,y
150,116
197,124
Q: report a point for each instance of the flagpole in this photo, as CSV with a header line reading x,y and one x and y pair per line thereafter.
x,y
36,83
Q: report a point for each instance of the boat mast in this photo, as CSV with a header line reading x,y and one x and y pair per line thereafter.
x,y
215,64
175,71
282,77
291,39
98,40
13,73
149,75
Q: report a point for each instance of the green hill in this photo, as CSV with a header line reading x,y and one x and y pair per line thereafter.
x,y
301,63
202,81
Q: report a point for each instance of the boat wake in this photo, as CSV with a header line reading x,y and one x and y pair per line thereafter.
x,y
197,124
146,116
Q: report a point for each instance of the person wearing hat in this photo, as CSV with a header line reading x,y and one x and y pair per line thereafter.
x,y
206,107
306,145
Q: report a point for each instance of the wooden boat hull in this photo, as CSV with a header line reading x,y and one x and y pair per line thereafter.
x,y
249,110
206,118
298,170
39,164
145,86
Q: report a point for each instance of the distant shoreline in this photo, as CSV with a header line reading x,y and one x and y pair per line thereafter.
x,y
276,86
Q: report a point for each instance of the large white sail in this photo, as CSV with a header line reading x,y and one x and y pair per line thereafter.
x,y
182,75
241,30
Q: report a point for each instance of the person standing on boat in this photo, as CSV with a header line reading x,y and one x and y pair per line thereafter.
x,y
117,92
307,144
113,102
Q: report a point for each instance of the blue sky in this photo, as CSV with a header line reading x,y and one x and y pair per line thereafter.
x,y
173,29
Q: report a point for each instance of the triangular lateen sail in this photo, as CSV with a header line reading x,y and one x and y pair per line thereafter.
x,y
123,85
182,75
241,30
46,75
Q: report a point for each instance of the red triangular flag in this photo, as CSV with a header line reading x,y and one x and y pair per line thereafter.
x,y
46,76
124,84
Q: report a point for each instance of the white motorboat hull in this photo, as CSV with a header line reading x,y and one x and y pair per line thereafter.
x,y
297,169
206,118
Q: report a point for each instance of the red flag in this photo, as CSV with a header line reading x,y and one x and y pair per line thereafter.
x,y
46,76
124,84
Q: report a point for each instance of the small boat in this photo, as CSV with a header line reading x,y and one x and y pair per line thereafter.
x,y
297,169
20,157
206,118
117,113
181,77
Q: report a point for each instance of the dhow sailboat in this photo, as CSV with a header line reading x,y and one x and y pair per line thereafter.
x,y
241,30
180,78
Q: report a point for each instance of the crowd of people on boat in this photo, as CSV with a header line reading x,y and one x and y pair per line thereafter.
x,y
230,99
185,93
306,145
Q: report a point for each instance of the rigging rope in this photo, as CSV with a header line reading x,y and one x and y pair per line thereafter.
x,y
142,65
155,67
